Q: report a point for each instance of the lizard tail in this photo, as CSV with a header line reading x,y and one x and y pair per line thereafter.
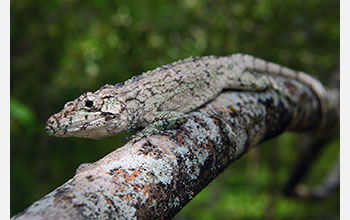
x,y
254,64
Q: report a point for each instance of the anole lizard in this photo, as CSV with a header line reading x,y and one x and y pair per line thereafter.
x,y
158,99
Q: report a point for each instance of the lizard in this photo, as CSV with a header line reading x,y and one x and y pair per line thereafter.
x,y
159,99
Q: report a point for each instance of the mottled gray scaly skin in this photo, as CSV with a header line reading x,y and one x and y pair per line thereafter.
x,y
158,99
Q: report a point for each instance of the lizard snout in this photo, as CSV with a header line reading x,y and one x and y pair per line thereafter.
x,y
50,126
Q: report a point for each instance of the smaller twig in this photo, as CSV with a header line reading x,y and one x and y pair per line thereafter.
x,y
330,184
317,143
303,165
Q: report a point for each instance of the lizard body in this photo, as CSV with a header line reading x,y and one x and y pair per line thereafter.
x,y
158,99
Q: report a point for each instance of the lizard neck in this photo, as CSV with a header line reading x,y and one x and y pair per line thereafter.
x,y
129,93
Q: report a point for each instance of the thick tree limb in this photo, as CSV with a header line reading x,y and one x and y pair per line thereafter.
x,y
155,178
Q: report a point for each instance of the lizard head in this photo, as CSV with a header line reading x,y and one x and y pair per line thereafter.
x,y
93,115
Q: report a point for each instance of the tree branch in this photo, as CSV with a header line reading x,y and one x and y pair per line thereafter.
x,y
316,144
155,178
330,184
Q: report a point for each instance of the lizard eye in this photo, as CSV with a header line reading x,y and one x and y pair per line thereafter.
x,y
89,103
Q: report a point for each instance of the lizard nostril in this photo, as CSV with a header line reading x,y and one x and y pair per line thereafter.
x,y
49,126
50,122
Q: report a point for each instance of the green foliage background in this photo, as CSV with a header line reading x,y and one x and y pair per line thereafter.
x,y
62,48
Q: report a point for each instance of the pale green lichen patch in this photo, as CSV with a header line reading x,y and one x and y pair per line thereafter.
x,y
161,169
191,159
38,207
102,204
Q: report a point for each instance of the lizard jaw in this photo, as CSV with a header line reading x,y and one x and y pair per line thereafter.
x,y
75,125
93,126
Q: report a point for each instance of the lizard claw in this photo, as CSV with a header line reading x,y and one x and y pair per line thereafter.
x,y
137,137
165,120
134,138
146,133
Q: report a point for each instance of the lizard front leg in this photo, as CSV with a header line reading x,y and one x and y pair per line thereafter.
x,y
161,122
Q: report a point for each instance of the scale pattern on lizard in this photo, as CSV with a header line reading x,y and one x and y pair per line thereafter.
x,y
158,99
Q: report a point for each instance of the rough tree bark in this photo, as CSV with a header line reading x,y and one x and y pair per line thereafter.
x,y
155,178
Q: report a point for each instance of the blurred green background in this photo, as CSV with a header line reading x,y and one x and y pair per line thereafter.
x,y
62,48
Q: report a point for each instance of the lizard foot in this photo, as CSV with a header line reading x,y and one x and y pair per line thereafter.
x,y
145,133
163,122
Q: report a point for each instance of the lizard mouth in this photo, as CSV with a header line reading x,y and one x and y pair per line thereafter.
x,y
80,124
49,129
51,126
